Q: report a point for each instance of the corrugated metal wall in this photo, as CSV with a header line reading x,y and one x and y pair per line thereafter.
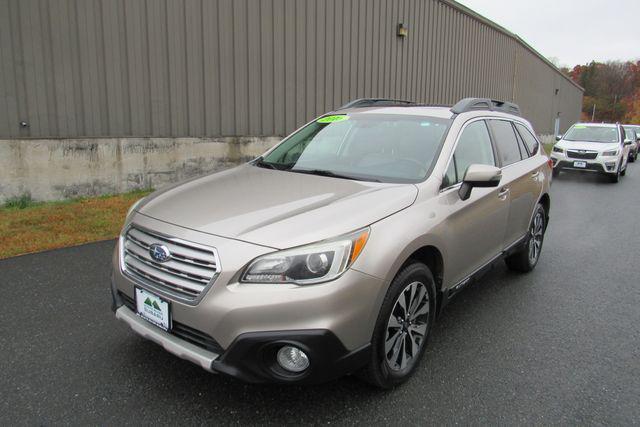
x,y
73,68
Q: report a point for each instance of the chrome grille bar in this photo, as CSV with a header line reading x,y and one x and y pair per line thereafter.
x,y
190,270
589,155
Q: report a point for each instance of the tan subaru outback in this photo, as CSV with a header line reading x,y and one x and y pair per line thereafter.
x,y
334,252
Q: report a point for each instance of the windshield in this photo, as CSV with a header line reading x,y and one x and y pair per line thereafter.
x,y
369,147
605,134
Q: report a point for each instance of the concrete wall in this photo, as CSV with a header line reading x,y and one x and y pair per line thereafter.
x,y
54,169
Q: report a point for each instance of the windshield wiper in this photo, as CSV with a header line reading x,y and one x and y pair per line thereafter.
x,y
262,164
322,172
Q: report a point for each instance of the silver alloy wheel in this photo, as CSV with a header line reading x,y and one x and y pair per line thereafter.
x,y
407,326
536,232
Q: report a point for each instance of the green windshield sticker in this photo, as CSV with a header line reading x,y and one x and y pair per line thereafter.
x,y
579,127
332,119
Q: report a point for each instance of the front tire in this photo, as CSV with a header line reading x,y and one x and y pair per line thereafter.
x,y
527,257
402,328
615,178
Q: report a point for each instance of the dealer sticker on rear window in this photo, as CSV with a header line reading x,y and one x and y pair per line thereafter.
x,y
332,119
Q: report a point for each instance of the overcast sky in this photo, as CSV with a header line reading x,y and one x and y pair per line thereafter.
x,y
573,31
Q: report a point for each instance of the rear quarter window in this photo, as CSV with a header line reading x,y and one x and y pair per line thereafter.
x,y
530,141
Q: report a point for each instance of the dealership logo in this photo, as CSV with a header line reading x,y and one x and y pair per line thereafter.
x,y
159,253
152,304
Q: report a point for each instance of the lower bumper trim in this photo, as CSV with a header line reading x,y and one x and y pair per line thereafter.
x,y
170,343
590,167
251,357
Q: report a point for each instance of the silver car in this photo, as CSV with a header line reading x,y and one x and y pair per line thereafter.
x,y
632,133
334,252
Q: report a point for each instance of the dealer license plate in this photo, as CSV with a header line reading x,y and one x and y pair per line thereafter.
x,y
579,164
153,309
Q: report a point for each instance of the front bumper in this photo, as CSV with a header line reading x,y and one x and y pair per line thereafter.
x,y
251,357
235,327
597,165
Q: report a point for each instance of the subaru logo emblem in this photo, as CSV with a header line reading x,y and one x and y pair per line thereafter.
x,y
159,253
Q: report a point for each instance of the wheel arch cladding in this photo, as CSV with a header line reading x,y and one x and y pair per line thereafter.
x,y
545,200
432,258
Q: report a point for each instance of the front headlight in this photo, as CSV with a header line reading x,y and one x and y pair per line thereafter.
x,y
557,150
305,265
611,153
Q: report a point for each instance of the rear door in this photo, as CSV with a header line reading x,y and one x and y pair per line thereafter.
x,y
522,178
475,227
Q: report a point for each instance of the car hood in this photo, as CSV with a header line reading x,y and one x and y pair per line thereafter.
x,y
276,208
586,145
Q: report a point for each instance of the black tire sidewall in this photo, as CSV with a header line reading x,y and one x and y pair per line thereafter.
x,y
539,209
415,271
615,178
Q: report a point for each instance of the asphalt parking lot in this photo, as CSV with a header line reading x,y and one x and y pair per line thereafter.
x,y
558,346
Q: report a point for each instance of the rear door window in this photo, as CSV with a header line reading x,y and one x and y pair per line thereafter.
x,y
506,142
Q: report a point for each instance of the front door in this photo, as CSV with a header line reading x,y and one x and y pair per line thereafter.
x,y
475,227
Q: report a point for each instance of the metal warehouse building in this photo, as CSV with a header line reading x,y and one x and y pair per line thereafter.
x,y
105,95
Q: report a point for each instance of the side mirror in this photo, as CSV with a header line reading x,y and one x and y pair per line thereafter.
x,y
479,176
627,142
558,137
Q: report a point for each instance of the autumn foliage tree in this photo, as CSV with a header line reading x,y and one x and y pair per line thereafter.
x,y
613,88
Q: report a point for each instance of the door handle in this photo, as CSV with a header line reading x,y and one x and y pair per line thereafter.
x,y
503,193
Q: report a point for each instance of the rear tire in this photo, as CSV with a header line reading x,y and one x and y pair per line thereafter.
x,y
400,335
632,157
527,257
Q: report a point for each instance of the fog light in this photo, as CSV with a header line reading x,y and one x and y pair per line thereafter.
x,y
610,165
292,359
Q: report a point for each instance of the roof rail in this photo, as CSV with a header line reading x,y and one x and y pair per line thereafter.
x,y
473,104
375,102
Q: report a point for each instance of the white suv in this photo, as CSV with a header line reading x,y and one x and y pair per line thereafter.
x,y
593,147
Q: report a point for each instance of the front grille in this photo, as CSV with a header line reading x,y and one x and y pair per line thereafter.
x,y
187,333
588,155
191,267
